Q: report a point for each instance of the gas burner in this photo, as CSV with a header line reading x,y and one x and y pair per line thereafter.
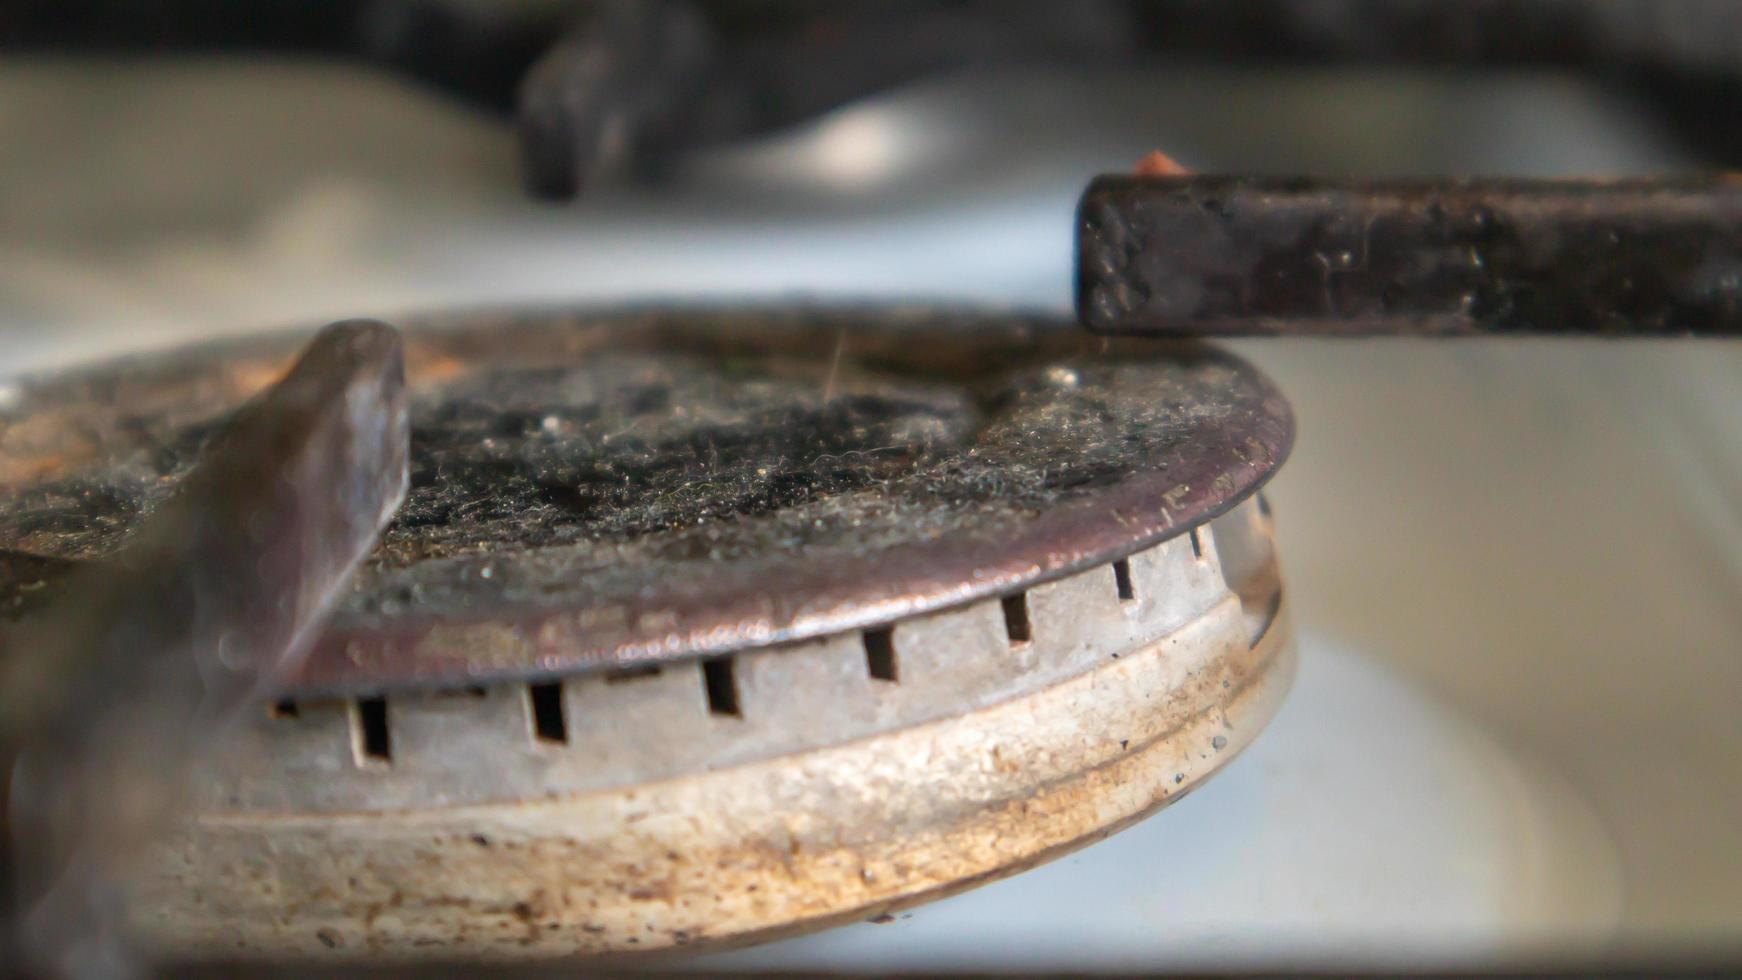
x,y
701,626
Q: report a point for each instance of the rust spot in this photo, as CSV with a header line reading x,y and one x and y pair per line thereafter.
x,y
1158,164
656,891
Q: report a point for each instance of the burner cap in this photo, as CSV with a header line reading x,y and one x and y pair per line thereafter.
x,y
598,491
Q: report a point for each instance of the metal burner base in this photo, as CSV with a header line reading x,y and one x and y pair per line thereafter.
x,y
832,794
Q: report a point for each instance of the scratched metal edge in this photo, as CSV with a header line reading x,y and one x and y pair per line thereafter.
x,y
375,657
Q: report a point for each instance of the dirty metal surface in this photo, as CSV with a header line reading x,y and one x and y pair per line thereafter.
x,y
837,823
592,491
1243,255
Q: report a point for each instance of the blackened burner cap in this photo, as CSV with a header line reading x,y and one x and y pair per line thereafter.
x,y
594,491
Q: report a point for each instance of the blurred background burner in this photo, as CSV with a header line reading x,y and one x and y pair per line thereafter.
x,y
598,87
